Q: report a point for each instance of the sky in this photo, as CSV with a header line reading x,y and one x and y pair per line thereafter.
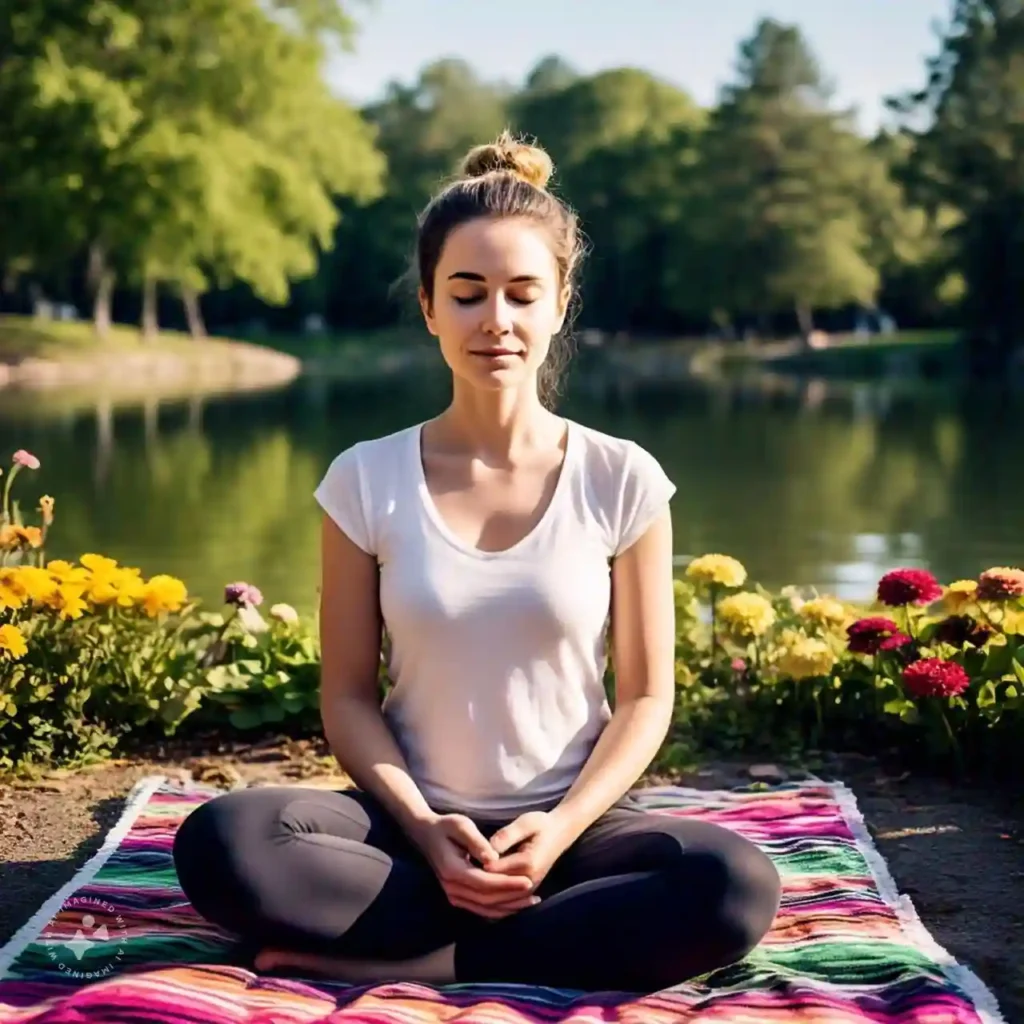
x,y
868,48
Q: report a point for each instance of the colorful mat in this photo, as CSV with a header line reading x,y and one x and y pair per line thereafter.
x,y
120,944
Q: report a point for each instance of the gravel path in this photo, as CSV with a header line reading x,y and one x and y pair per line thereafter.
x,y
957,852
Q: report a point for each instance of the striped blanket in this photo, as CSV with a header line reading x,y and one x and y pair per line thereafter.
x,y
119,943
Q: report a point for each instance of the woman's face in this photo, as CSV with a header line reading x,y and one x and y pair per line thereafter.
x,y
497,302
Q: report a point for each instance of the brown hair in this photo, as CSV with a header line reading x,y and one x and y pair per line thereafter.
x,y
506,178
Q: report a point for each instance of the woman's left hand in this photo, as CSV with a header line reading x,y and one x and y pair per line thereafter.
x,y
530,845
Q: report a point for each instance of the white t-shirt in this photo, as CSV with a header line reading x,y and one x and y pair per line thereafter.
x,y
497,659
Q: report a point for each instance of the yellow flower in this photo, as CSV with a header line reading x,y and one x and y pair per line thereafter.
x,y
46,508
99,565
12,642
12,595
122,587
14,537
747,614
960,594
67,600
717,569
37,584
804,657
824,611
163,594
65,572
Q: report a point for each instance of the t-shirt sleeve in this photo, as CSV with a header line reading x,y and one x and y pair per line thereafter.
x,y
342,495
647,490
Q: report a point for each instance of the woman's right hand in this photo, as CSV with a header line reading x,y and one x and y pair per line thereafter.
x,y
452,843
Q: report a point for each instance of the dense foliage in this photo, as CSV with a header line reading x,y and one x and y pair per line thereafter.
x,y
196,146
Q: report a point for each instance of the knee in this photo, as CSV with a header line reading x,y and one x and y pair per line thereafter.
x,y
209,850
744,895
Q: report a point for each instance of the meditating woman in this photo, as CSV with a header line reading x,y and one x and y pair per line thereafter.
x,y
491,835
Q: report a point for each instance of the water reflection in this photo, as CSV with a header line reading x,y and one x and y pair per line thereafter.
x,y
808,482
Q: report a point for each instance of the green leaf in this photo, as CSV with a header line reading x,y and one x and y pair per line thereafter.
x,y
900,706
246,718
987,695
273,713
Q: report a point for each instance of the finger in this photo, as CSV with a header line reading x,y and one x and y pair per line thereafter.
x,y
515,865
472,840
511,835
490,899
489,881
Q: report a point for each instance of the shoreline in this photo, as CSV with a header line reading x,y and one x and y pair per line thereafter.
x,y
209,364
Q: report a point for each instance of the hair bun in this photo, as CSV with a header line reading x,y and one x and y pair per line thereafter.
x,y
506,153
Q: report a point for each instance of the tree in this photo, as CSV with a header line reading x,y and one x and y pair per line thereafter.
x,y
423,130
968,152
622,141
549,74
198,143
777,211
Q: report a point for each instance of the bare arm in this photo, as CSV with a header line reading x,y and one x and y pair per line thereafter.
x,y
350,639
643,642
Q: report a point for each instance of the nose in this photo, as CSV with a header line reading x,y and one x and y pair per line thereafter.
x,y
497,316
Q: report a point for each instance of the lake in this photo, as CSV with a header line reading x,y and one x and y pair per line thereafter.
x,y
819,484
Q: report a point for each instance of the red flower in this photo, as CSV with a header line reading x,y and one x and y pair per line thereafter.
x,y
908,586
866,636
934,677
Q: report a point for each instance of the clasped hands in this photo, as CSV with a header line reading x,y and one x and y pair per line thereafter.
x,y
492,878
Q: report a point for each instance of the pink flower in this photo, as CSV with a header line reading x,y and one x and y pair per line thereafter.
x,y
908,586
738,665
1001,584
895,642
26,459
242,595
934,677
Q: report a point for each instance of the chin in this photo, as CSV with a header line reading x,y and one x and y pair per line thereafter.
x,y
495,377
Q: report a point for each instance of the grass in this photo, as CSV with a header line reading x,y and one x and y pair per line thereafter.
x,y
23,337
851,355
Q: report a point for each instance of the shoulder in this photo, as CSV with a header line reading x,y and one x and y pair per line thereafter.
x,y
374,452
625,485
357,481
616,458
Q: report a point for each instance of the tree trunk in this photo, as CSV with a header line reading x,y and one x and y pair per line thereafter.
x,y
102,280
193,313
150,316
805,318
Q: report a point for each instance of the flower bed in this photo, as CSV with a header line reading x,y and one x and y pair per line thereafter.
x,y
94,653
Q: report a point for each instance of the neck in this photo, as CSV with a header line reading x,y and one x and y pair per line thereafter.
x,y
498,423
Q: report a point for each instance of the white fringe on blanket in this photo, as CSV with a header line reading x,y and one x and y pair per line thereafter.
x,y
31,929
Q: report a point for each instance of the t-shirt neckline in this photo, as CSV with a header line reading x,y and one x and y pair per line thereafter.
x,y
439,523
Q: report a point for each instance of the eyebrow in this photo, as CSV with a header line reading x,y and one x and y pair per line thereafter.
x,y
465,275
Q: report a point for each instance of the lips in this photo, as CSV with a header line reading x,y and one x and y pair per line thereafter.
x,y
494,352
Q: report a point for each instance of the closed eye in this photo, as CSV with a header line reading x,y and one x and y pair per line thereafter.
x,y
473,299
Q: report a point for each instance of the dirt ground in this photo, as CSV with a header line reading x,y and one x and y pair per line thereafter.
x,y
958,852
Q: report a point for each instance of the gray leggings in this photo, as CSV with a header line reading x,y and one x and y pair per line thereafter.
x,y
640,902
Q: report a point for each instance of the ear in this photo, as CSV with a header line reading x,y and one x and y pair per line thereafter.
x,y
425,309
564,298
